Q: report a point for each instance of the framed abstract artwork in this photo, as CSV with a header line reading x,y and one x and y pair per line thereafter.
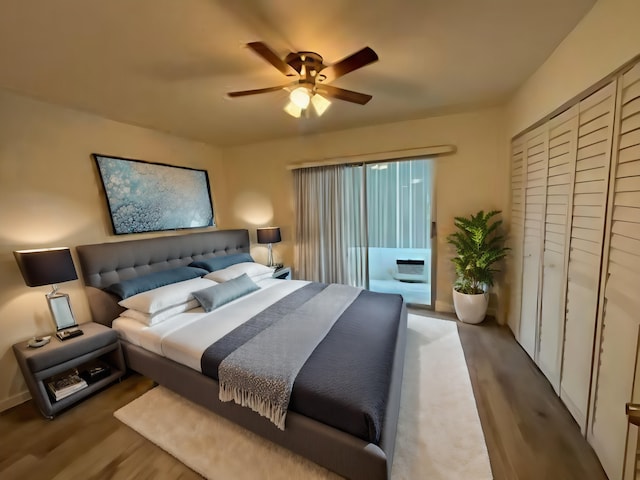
x,y
152,197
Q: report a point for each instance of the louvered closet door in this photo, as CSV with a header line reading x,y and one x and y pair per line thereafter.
x,y
595,133
535,158
563,132
616,355
516,232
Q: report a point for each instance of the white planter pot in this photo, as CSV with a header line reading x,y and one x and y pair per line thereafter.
x,y
470,308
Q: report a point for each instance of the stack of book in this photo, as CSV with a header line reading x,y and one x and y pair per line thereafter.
x,y
66,384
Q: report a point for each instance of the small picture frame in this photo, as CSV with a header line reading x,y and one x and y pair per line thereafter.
x,y
61,312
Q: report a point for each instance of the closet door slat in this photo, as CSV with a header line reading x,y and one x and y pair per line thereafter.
x,y
630,139
556,218
631,92
628,214
588,162
588,175
628,184
595,186
594,125
630,108
594,138
630,169
559,157
559,179
632,123
589,212
629,154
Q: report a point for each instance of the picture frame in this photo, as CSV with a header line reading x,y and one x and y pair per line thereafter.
x,y
152,197
60,307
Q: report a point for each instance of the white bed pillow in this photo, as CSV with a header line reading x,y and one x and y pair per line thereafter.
x,y
152,301
155,318
262,276
253,270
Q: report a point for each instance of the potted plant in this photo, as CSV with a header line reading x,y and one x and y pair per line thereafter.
x,y
478,247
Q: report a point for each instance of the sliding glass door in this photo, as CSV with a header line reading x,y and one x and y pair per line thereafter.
x,y
367,226
398,206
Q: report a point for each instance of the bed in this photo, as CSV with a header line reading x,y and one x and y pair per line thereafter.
x,y
346,451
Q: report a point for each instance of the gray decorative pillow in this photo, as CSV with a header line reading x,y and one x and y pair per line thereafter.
x,y
133,286
217,295
223,261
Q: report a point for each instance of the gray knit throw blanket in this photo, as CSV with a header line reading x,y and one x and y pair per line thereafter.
x,y
260,373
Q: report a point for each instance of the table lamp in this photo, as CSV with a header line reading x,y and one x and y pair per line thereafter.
x,y
269,235
51,266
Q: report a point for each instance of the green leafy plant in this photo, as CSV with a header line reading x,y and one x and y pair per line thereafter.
x,y
478,247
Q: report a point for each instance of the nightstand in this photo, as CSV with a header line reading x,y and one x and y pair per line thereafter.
x,y
282,273
98,346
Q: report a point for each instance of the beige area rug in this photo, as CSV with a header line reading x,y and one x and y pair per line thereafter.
x,y
439,432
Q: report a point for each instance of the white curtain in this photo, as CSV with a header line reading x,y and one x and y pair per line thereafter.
x,y
331,224
355,240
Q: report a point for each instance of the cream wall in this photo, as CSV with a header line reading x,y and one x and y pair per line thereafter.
x,y
260,188
606,38
50,195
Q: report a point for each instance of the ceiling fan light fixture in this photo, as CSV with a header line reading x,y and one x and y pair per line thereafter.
x,y
293,109
320,104
300,97
312,74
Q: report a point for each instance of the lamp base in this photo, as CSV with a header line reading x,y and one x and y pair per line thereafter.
x,y
270,259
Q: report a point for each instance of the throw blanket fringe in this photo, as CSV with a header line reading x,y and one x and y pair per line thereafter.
x,y
264,407
260,373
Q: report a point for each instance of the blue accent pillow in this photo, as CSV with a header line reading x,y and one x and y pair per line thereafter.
x,y
217,295
223,261
128,288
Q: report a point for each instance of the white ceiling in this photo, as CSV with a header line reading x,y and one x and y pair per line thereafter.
x,y
166,64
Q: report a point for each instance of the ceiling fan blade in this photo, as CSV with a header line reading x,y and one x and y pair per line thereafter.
x,y
268,54
342,94
352,62
244,93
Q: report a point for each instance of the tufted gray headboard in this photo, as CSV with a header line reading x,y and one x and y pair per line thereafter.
x,y
105,263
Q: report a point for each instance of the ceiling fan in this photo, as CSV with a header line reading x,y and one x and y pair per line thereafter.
x,y
311,87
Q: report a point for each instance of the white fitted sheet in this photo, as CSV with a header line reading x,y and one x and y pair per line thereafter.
x,y
186,336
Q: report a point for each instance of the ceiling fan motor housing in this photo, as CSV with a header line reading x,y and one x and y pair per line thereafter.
x,y
313,64
312,73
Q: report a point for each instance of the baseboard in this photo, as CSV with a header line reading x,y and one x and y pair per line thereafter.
x,y
444,307
575,412
448,307
13,401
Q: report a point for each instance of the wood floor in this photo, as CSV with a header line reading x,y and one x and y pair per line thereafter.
x,y
529,434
